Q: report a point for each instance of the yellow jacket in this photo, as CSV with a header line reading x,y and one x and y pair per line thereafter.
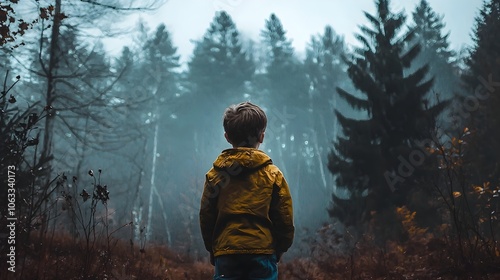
x,y
246,207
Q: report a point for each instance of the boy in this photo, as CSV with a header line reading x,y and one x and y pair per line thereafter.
x,y
246,209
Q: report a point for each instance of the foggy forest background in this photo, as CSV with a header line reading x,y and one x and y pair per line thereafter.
x,y
397,137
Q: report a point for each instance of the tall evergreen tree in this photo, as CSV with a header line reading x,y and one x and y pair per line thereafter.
x,y
219,69
482,100
284,90
161,61
367,159
284,78
435,51
326,70
149,90
428,28
219,65
218,72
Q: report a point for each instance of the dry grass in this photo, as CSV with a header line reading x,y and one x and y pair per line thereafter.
x,y
61,257
422,256
393,262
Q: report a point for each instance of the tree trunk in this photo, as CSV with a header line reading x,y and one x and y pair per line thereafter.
x,y
51,83
153,186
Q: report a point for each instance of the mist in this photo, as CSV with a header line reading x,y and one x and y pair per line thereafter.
x,y
111,119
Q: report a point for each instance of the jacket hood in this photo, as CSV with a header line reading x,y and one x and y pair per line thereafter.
x,y
236,160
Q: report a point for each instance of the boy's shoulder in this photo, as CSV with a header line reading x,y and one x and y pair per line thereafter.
x,y
238,161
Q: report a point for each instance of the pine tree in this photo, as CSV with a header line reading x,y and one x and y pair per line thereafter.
x,y
367,159
284,78
435,51
219,71
479,109
220,66
428,28
284,90
160,78
149,92
160,64
325,70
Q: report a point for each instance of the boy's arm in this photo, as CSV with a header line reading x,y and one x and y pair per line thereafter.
x,y
208,214
281,214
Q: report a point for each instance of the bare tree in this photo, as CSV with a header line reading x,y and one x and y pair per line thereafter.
x,y
71,77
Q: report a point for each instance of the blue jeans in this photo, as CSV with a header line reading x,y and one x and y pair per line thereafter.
x,y
246,267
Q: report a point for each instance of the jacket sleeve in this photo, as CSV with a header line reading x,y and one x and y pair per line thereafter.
x,y
281,214
208,213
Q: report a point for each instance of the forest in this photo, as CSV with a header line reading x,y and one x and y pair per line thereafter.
x,y
391,148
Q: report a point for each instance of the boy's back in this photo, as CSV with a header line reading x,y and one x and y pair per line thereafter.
x,y
246,209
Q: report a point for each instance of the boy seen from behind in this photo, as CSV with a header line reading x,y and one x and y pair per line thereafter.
x,y
246,214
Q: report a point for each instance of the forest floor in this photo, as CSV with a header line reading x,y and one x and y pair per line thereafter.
x,y
63,258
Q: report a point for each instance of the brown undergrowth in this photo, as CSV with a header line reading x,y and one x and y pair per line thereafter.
x,y
60,257
423,255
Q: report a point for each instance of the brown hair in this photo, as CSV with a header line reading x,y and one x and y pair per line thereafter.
x,y
243,123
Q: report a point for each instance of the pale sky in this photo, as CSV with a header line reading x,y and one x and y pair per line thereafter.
x,y
188,20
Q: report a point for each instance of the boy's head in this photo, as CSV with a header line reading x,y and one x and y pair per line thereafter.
x,y
244,125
